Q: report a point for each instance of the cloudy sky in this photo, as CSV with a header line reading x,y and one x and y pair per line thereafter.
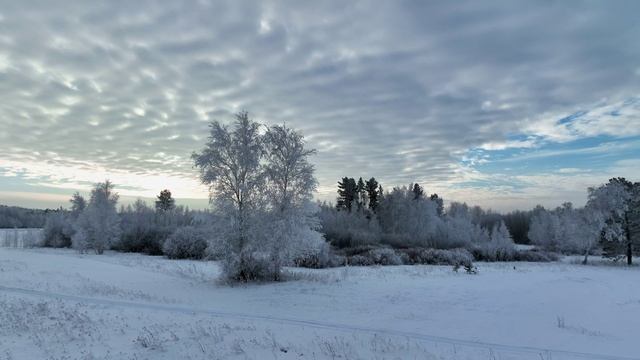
x,y
505,104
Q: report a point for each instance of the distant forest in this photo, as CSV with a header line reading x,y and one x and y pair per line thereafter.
x,y
18,217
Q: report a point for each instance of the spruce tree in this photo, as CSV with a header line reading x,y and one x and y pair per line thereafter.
x,y
165,202
361,193
418,191
439,203
347,192
371,186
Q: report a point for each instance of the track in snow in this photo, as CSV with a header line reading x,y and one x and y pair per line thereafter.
x,y
543,352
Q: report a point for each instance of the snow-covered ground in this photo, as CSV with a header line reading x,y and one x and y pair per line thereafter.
x,y
62,305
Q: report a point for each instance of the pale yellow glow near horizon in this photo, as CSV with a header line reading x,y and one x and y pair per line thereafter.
x,y
74,176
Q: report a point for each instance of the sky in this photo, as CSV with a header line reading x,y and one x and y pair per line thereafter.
x,y
503,104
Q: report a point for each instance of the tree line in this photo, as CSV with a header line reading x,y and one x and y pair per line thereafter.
x,y
263,217
609,223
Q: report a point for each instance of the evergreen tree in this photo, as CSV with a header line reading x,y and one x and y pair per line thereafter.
x,y
361,193
418,191
371,186
165,202
78,204
347,191
439,203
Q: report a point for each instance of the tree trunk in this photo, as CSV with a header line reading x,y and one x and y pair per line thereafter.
x,y
628,234
586,255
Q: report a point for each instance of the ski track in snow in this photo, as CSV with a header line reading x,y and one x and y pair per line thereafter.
x,y
310,323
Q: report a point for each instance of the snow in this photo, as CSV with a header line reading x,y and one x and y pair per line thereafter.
x,y
61,304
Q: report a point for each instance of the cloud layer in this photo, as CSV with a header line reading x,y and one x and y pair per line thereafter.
x,y
402,91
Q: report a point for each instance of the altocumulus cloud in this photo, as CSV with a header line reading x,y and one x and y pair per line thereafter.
x,y
404,91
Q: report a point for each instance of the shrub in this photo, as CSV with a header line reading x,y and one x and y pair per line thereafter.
x,y
384,256
491,255
490,252
376,256
323,258
56,231
413,256
254,267
535,256
359,260
357,250
186,242
149,240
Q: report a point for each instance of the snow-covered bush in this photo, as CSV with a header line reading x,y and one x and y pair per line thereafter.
x,y
384,256
422,256
315,260
535,256
55,230
367,256
360,260
140,231
186,242
248,267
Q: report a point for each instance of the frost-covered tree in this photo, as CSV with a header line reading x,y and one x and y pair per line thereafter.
x,y
500,234
55,230
458,229
582,230
164,201
290,187
617,200
361,198
439,203
407,220
545,229
567,229
78,204
345,229
140,230
501,243
98,226
230,164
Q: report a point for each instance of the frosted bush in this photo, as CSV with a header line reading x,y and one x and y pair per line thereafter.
x,y
413,256
185,243
56,231
384,256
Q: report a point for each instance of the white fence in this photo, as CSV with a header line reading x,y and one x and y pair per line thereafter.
x,y
21,238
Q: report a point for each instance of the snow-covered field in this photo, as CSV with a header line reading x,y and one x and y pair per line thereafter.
x,y
62,305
